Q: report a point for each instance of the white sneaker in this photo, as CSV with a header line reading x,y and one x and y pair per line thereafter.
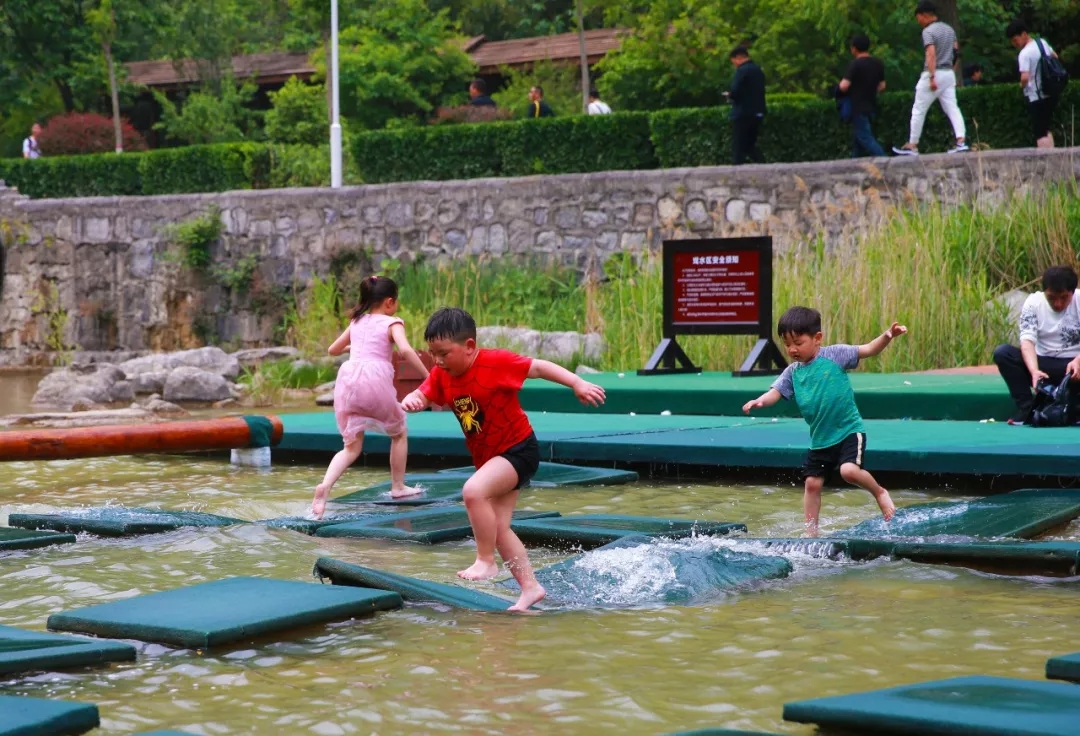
x,y
905,151
959,148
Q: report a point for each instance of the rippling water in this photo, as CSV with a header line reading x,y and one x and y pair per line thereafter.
x,y
830,628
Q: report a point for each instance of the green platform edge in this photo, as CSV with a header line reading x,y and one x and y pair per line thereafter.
x,y
55,651
376,527
19,539
76,524
1065,667
572,530
54,717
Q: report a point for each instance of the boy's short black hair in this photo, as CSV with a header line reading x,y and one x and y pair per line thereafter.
x,y
860,42
739,51
450,323
1016,28
1059,278
479,85
925,8
799,321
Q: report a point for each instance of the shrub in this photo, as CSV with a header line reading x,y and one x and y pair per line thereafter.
x,y
299,114
87,132
581,143
216,168
470,114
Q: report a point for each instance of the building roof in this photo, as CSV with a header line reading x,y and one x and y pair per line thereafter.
x,y
489,56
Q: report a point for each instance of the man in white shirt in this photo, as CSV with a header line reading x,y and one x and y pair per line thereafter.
x,y
1040,104
1049,340
30,148
596,106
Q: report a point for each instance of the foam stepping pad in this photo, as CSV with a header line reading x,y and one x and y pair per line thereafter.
x,y
438,488
973,706
165,733
1066,667
429,526
308,526
117,521
211,614
637,571
555,475
410,589
1061,559
826,549
13,539
721,732
31,651
39,717
593,530
1022,514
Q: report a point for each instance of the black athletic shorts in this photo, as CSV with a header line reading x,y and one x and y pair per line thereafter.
x,y
822,463
525,457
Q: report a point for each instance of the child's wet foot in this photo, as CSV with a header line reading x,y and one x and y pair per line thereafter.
x,y
405,491
318,505
885,503
529,597
479,570
811,531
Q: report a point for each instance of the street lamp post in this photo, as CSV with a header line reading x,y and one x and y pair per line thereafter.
x,y
335,123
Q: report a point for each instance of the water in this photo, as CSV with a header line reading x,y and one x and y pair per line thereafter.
x,y
829,628
17,388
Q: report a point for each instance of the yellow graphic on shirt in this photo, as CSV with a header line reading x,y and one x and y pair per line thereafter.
x,y
469,415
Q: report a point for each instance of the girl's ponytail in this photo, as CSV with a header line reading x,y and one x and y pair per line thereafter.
x,y
373,290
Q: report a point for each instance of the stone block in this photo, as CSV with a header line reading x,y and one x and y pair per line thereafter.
x,y
96,229
594,218
520,235
423,212
760,211
478,240
399,214
643,214
735,211
285,226
566,218
548,241
260,229
668,210
448,213
632,241
540,216
607,241
309,222
455,242
373,215
497,240
697,214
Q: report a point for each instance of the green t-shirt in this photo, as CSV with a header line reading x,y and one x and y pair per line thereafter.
x,y
823,392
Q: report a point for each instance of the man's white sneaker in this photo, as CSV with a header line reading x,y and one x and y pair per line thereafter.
x,y
905,151
959,148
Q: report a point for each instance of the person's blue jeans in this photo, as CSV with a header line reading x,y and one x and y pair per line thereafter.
x,y
863,142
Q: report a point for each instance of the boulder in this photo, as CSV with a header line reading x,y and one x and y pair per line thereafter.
x,y
188,383
557,346
326,399
83,384
160,406
209,359
1014,302
584,370
519,339
327,387
151,382
254,356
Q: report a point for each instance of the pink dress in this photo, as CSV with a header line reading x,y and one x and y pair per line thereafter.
x,y
364,395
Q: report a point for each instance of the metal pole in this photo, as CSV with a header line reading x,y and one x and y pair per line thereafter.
x,y
335,123
584,60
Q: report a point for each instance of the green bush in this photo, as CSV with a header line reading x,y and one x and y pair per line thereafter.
x,y
215,168
576,144
93,175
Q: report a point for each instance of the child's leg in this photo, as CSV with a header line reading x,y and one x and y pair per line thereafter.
x,y
338,465
496,478
812,503
399,453
514,555
855,475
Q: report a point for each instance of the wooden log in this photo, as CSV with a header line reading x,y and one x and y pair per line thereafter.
x,y
225,433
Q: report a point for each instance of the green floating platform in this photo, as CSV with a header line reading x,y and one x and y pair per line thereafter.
x,y
39,717
308,526
410,589
211,614
117,521
639,571
32,651
429,526
14,539
594,530
165,733
972,706
721,732
1022,514
1066,667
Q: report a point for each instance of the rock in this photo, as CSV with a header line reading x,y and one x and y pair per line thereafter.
x,y
84,405
209,359
254,356
224,403
557,346
584,370
595,347
561,346
107,356
84,384
159,406
325,399
1014,300
151,382
299,365
89,418
188,383
297,393
519,339
326,387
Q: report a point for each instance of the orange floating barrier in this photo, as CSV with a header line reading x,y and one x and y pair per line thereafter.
x,y
226,433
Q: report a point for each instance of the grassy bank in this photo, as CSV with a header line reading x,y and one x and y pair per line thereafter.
x,y
938,271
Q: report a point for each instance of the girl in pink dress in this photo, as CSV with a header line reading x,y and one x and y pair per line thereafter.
x,y
364,395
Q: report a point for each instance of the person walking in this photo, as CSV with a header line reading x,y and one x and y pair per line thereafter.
x,y
747,97
862,82
1042,98
596,105
30,147
937,81
537,107
478,96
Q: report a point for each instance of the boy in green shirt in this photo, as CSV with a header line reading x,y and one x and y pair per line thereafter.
x,y
819,384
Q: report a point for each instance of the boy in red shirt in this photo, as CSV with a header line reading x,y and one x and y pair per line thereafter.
x,y
481,386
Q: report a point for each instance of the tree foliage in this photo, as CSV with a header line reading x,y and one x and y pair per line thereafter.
x,y
299,114
206,117
561,84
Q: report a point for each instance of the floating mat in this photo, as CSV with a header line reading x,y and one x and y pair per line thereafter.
x,y
308,526
429,526
210,614
438,488
410,589
721,732
39,717
1061,559
117,521
1022,514
594,530
31,651
165,733
11,539
1066,667
972,706
638,571
829,549
554,475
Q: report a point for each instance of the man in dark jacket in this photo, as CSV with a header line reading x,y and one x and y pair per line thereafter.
x,y
537,107
478,96
747,97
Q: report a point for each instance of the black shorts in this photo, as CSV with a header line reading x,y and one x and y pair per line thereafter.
x,y
822,463
525,457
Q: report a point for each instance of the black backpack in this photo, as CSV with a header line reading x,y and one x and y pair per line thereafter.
x,y
1055,405
1052,73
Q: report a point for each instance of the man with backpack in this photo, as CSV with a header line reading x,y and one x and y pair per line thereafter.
x,y
1042,77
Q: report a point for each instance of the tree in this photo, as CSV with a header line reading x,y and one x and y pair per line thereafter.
x,y
560,83
206,117
102,20
299,114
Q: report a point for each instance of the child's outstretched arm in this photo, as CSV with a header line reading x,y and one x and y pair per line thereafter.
x,y
882,341
768,398
587,393
339,345
416,401
397,334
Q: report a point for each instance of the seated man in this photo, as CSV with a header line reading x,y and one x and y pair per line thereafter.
x,y
1049,340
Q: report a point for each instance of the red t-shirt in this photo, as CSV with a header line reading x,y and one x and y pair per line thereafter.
x,y
485,401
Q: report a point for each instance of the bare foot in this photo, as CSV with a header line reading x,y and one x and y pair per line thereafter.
x,y
318,505
405,491
811,530
480,570
529,597
884,502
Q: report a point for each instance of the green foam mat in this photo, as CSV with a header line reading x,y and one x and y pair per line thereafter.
x,y
410,589
721,732
1060,559
557,475
1023,514
639,571
211,614
972,706
308,526
32,651
118,521
165,733
13,539
438,488
1066,667
825,549
21,716
429,526
594,530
